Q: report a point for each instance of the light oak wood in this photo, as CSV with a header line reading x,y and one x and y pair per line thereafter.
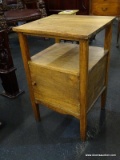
x,y
65,26
107,46
66,77
57,40
26,58
62,89
83,68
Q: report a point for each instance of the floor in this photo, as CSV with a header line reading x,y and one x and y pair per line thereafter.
x,y
57,135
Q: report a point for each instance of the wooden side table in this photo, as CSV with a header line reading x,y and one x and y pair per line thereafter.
x,y
67,78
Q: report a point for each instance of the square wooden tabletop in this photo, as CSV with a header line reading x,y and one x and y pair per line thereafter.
x,y
68,26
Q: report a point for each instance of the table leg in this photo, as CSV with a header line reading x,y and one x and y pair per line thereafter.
x,y
107,45
118,33
83,87
57,40
26,58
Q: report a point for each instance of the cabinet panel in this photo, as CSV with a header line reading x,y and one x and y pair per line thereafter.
x,y
105,7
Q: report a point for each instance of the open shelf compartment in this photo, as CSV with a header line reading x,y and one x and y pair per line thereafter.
x,y
55,76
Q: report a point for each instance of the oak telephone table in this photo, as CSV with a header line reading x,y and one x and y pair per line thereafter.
x,y
67,78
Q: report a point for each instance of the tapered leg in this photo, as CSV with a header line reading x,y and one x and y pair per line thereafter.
x,y
83,127
57,40
84,52
103,99
118,33
108,33
26,57
36,111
